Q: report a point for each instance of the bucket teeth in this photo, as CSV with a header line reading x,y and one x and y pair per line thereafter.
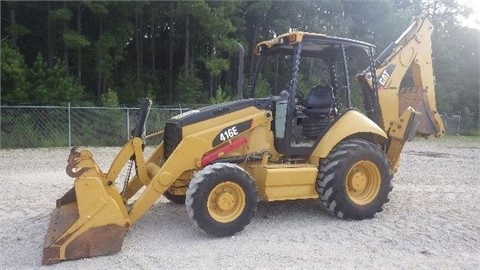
x,y
72,163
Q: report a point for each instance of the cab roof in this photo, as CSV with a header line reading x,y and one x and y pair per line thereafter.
x,y
314,45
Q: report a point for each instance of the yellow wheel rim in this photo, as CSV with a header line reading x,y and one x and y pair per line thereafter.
x,y
226,202
363,182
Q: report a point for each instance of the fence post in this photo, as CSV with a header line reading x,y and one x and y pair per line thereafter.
x,y
0,127
128,123
69,127
459,118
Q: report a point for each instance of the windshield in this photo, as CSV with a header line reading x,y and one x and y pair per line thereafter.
x,y
318,67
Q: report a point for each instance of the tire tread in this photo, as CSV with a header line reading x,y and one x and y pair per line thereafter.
x,y
330,171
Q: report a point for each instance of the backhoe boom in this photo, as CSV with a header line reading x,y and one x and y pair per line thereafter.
x,y
409,54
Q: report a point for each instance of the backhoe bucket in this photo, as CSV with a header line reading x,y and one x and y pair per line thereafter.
x,y
430,122
89,220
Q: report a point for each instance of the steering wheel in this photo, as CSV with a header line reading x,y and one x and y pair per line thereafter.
x,y
300,97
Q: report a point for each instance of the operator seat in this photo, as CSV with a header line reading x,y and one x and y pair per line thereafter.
x,y
319,108
319,101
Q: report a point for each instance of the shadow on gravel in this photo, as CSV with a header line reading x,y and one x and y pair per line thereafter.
x,y
290,209
172,219
429,154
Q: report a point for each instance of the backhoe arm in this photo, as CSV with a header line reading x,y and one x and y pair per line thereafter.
x,y
412,50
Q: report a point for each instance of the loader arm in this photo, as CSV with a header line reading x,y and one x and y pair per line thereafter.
x,y
411,51
199,147
91,219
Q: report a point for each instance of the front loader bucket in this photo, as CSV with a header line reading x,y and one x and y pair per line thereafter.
x,y
89,220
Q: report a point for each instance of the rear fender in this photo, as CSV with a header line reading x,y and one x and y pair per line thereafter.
x,y
350,123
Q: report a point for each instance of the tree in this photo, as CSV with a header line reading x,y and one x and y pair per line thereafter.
x,y
455,60
15,84
191,45
49,83
15,30
39,83
59,19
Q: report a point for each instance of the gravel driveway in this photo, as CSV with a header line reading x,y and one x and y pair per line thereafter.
x,y
431,222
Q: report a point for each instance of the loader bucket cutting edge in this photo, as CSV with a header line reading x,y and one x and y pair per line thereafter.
x,y
94,241
89,220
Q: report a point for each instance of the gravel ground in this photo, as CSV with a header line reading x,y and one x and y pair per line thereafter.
x,y
431,222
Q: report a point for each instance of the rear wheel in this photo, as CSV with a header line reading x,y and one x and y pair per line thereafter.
x,y
354,180
222,199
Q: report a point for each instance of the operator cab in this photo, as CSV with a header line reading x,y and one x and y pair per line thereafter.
x,y
308,77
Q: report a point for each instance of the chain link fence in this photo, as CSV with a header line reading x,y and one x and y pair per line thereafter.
x,y
461,124
57,126
60,126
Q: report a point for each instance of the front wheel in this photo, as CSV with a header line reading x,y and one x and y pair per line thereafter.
x,y
354,180
222,199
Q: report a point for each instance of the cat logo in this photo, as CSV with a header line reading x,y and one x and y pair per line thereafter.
x,y
383,78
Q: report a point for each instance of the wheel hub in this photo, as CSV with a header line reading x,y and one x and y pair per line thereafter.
x,y
225,201
363,182
359,181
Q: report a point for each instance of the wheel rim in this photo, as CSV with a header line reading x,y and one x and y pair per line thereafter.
x,y
363,182
226,202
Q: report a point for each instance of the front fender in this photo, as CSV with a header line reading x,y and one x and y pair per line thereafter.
x,y
350,123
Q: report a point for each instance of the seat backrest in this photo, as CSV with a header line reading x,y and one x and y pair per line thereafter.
x,y
320,97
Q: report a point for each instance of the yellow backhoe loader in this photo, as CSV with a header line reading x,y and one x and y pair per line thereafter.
x,y
221,160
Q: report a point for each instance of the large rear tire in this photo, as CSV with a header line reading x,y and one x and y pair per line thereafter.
x,y
354,180
222,199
